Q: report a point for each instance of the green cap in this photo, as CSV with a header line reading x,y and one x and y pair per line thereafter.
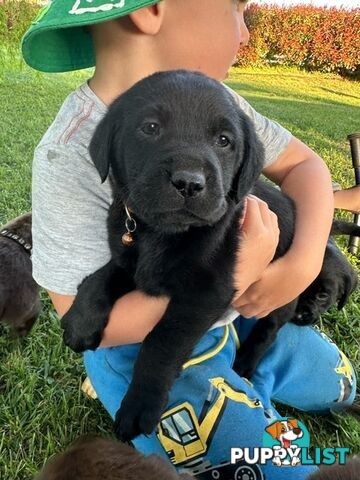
x,y
57,40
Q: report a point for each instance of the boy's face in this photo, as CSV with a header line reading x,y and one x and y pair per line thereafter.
x,y
205,34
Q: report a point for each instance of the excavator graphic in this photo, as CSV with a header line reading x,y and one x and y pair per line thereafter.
x,y
186,438
343,369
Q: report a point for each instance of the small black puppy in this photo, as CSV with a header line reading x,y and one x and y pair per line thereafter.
x,y
182,157
19,294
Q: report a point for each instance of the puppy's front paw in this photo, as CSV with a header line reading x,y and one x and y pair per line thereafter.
x,y
138,414
81,333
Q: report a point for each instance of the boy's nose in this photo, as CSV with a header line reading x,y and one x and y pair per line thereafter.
x,y
188,184
244,35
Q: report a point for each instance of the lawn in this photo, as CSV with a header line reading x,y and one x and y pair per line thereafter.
x,y
41,406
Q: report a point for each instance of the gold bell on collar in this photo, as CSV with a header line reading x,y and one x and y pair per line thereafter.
x,y
127,239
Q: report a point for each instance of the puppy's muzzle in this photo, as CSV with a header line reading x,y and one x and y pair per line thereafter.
x,y
188,184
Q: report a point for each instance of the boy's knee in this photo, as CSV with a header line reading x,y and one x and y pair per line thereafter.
x,y
347,390
343,395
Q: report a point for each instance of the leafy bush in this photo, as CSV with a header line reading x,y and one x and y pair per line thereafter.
x,y
15,18
325,39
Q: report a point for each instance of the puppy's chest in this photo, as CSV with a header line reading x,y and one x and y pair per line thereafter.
x,y
161,266
174,266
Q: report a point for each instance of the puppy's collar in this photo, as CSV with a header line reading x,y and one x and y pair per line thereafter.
x,y
130,225
13,236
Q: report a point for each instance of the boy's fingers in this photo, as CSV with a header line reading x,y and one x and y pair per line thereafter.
x,y
257,199
249,311
256,207
265,213
274,222
263,314
252,213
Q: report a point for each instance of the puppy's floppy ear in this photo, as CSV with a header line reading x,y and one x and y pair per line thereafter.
x,y
349,284
274,429
102,146
252,161
293,422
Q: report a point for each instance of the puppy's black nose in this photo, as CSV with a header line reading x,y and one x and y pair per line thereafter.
x,y
188,184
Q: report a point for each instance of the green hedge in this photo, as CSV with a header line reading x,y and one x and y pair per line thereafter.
x,y
324,39
314,38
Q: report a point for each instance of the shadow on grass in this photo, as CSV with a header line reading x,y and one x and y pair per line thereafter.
x,y
275,91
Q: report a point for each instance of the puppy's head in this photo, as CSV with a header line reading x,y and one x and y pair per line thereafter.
x,y
92,458
280,429
315,300
334,285
349,284
180,150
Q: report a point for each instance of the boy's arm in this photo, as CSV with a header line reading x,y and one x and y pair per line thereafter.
x,y
303,175
133,316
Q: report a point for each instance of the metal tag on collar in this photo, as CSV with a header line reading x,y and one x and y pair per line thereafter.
x,y
130,225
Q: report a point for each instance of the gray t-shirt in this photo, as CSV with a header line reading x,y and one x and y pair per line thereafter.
x,y
69,203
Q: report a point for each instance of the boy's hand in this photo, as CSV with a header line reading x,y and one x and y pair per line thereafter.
x,y
259,239
304,176
281,282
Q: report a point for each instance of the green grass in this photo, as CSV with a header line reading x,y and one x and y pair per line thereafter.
x,y
41,407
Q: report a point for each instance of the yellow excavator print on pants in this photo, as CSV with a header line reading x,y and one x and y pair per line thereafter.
x,y
343,369
186,438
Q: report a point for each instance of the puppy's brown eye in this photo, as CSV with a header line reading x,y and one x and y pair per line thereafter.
x,y
151,128
322,296
222,141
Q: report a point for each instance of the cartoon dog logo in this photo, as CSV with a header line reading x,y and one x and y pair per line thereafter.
x,y
285,432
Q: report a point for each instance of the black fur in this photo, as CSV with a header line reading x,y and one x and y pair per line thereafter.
x,y
182,157
19,294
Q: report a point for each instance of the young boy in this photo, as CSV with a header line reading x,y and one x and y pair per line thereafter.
x,y
210,409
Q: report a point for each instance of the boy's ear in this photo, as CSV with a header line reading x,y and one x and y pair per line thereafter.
x,y
102,147
148,20
252,161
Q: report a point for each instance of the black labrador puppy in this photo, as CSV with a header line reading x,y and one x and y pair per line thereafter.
x,y
182,157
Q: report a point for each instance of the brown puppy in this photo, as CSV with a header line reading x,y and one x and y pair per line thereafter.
x,y
350,471
92,458
19,294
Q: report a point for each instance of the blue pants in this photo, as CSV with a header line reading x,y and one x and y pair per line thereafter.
x,y
211,409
